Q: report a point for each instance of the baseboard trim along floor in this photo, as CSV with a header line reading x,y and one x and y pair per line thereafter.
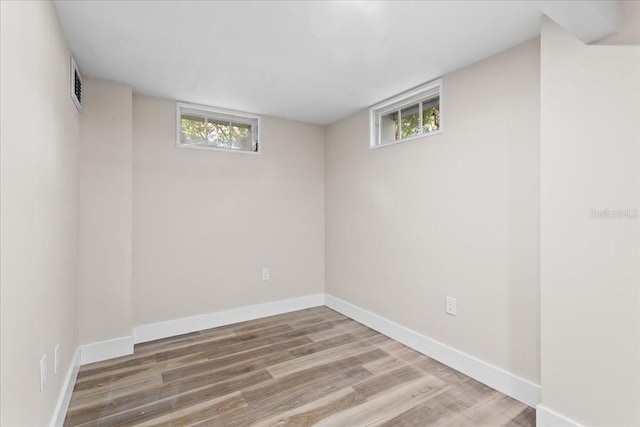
x,y
155,331
497,378
64,399
546,417
123,346
307,367
104,350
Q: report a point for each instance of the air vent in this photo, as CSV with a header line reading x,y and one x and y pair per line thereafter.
x,y
76,85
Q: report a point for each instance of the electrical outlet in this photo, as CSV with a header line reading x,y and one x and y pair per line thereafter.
x,y
56,359
265,273
450,307
43,372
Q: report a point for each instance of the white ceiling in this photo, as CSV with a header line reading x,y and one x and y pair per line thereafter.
x,y
315,62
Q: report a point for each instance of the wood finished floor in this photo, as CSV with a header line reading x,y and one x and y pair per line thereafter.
x,y
310,367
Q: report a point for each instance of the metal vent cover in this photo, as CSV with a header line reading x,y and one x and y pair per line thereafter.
x,y
76,85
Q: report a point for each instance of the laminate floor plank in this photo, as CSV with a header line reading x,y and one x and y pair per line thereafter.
x,y
524,419
316,410
389,380
90,402
209,364
198,412
309,367
167,344
292,393
246,340
456,401
382,366
333,332
123,384
323,344
385,406
133,360
329,355
182,385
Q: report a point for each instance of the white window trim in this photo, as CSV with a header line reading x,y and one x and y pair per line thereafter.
x,y
397,102
236,116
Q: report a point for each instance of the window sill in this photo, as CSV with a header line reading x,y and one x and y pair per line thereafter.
x,y
224,150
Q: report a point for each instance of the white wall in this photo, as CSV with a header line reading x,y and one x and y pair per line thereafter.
x,y
590,305
629,25
206,222
39,210
453,214
105,211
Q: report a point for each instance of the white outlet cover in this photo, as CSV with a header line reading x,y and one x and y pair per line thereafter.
x,y
265,273
56,359
450,307
43,372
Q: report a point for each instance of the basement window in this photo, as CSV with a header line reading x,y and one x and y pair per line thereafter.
x,y
209,128
408,116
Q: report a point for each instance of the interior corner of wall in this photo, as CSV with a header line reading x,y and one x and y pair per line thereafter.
x,y
556,43
554,32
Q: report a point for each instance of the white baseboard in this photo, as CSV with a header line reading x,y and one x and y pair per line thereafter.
x,y
503,381
155,331
60,411
497,378
546,417
103,350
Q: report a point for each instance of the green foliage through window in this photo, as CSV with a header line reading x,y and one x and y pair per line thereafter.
x,y
215,133
408,121
410,115
215,128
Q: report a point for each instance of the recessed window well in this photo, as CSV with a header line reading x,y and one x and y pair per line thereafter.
x,y
211,128
408,116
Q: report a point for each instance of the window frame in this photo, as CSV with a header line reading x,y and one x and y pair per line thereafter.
x,y
184,108
432,89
